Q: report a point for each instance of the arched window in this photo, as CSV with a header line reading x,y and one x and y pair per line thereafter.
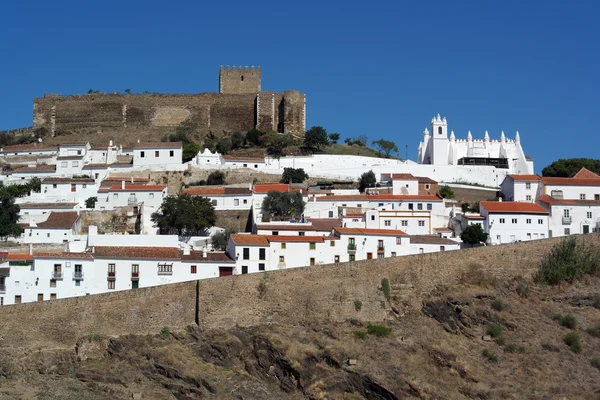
x,y
242,78
439,128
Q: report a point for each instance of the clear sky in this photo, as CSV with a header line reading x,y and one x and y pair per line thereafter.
x,y
379,68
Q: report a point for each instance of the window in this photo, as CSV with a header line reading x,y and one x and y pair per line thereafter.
x,y
528,220
255,165
597,197
387,222
301,233
343,205
156,153
372,217
142,154
332,243
244,269
336,259
421,223
275,233
283,246
312,261
528,186
514,220
442,248
151,195
165,269
214,202
261,267
171,153
540,221
52,283
312,246
52,296
116,195
236,202
76,163
64,164
330,214
112,270
281,259
566,213
262,254
40,297
589,215
528,236
135,284
502,220
429,206
246,253
359,205
73,187
380,255
245,201
78,152
427,186
582,196
528,197
351,257
84,186
18,299
54,186
398,240
245,165
393,254
567,231
404,222
410,206
193,269
419,206
111,284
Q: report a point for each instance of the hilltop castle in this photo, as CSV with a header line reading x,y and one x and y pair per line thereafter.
x,y
437,149
240,105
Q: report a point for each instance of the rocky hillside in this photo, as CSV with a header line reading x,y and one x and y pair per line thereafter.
x,y
477,337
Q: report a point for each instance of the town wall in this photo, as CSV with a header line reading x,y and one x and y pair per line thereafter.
x,y
303,295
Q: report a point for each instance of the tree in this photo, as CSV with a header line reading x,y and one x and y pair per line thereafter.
x,y
220,239
224,146
253,136
570,166
446,192
184,132
184,215
35,184
316,137
216,178
9,215
127,91
334,137
385,146
367,180
286,205
276,144
189,151
238,140
473,234
90,202
295,175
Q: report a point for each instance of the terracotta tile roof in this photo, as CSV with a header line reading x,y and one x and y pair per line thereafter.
x,y
204,191
211,257
58,204
249,240
160,145
403,177
512,207
424,179
58,220
442,229
249,159
330,238
151,253
344,197
19,257
267,187
67,180
585,173
16,148
77,256
137,188
96,166
80,144
526,177
472,216
364,231
113,180
37,168
70,157
558,181
295,239
353,215
405,197
325,224
527,158
554,201
285,227
432,239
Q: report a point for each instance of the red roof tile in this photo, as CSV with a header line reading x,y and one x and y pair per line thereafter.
x,y
160,145
204,191
137,188
405,197
267,187
404,177
58,220
77,256
153,253
19,257
424,179
585,173
284,227
344,197
37,168
442,229
364,231
16,148
67,180
526,177
297,239
512,207
249,159
211,257
249,240
558,181
554,201
325,224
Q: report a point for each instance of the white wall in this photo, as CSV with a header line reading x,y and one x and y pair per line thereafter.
x,y
578,218
509,228
149,157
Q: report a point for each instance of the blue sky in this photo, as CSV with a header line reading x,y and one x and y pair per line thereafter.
x,y
382,69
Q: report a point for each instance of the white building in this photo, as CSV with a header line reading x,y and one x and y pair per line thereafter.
x,y
127,194
521,187
223,197
37,210
508,222
157,154
56,228
34,149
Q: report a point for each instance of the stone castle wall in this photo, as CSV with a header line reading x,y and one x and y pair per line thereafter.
x,y
313,294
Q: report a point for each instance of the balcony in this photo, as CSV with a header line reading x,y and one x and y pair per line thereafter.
x,y
566,220
112,275
57,275
135,276
381,249
352,248
77,275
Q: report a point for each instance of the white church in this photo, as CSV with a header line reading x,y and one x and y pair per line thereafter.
x,y
437,149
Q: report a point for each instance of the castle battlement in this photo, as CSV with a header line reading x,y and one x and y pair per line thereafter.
x,y
234,68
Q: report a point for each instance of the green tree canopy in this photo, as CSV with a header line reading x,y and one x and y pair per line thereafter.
x,y
295,175
184,215
286,205
446,192
216,178
276,144
220,239
385,146
253,136
238,140
90,202
367,180
334,137
473,234
570,166
316,137
189,151
9,215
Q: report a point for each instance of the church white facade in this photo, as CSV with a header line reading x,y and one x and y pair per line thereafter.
x,y
439,149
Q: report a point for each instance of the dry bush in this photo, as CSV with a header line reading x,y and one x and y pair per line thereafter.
x,y
476,275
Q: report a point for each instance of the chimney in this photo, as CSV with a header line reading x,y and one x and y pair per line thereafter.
x,y
30,248
66,249
204,253
122,185
132,179
110,143
32,222
93,249
186,250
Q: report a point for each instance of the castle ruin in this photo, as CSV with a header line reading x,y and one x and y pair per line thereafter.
x,y
240,105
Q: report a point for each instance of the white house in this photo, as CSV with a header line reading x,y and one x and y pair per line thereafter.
x,y
223,197
33,149
157,154
58,227
421,244
36,210
508,222
521,187
570,217
127,194
71,189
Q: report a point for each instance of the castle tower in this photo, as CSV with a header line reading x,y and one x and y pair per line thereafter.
x,y
439,136
238,80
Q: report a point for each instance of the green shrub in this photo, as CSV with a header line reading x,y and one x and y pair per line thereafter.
x,y
572,340
357,305
568,261
96,337
500,340
379,330
595,362
522,288
513,348
494,330
490,355
360,335
594,330
498,305
165,332
385,288
566,320
596,301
